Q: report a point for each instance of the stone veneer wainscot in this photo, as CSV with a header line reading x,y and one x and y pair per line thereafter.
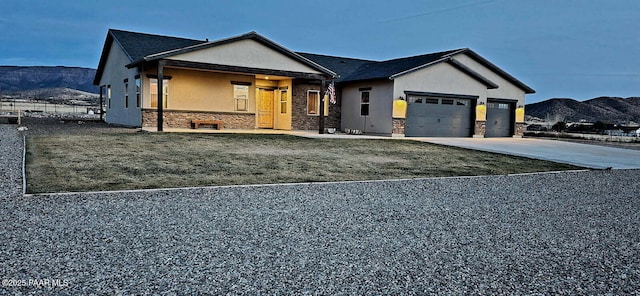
x,y
299,119
182,119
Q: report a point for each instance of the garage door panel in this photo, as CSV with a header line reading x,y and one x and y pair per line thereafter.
x,y
447,118
500,119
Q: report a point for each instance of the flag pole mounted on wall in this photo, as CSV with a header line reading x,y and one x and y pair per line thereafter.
x,y
331,94
321,107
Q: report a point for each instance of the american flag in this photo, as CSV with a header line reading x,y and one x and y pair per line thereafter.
x,y
331,91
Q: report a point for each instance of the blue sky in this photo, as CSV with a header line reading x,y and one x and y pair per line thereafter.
x,y
578,49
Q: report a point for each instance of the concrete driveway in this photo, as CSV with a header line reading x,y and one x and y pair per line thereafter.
x,y
591,156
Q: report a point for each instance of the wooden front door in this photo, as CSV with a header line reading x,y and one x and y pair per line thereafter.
x,y
265,108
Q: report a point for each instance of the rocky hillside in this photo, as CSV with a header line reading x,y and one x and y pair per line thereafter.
x,y
15,79
606,109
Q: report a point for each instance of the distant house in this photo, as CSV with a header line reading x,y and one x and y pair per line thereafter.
x,y
249,82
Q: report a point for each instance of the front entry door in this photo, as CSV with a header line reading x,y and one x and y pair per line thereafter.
x,y
265,108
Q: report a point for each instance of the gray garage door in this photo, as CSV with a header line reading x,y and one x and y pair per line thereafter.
x,y
500,119
429,116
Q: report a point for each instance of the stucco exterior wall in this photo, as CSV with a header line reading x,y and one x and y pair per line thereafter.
x,y
506,89
379,120
440,78
245,53
114,75
191,90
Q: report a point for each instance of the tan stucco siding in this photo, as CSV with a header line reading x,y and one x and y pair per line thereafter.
x,y
506,89
245,53
113,76
439,78
201,91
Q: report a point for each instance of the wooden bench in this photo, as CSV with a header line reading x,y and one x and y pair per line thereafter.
x,y
195,123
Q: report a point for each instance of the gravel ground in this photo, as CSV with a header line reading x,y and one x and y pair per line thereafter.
x,y
579,234
11,143
563,233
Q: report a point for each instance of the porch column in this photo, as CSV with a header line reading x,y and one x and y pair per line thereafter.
x,y
161,65
323,91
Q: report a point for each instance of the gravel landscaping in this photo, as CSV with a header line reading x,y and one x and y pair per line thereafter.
x,y
11,143
555,233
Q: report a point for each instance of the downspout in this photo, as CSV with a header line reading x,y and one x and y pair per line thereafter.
x,y
161,64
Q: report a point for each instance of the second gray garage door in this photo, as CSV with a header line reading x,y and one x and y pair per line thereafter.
x,y
429,116
500,119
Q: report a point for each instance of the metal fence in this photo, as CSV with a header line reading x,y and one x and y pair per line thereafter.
x,y
46,107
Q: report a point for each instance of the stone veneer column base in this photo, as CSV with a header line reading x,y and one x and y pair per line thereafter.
x,y
480,129
519,130
398,126
182,119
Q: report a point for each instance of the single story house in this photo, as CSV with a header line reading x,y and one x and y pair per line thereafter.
x,y
249,82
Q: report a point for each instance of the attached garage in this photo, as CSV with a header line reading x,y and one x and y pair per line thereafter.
x,y
500,118
439,115
443,94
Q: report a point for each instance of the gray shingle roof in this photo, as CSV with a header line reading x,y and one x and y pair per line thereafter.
x,y
386,69
358,70
139,45
341,65
351,69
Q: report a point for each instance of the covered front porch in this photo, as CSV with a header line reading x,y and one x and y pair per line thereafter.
x,y
246,82
240,98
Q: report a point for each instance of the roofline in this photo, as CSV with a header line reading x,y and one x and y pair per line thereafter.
x,y
478,58
336,57
250,35
103,57
450,60
475,75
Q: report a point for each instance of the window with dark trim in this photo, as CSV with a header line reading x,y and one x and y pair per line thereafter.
x,y
153,91
138,85
313,102
364,103
241,97
109,96
126,93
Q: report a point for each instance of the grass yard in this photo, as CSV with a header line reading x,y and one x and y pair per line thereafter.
x,y
64,163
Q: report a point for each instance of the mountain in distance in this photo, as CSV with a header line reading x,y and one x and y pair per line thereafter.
x,y
18,78
606,109
55,84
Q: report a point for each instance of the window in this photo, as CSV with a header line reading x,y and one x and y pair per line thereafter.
x,y
241,97
364,103
462,103
138,92
415,100
431,101
447,102
313,102
126,93
283,102
109,96
153,90
503,106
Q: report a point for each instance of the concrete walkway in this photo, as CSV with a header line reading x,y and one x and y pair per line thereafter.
x,y
592,156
